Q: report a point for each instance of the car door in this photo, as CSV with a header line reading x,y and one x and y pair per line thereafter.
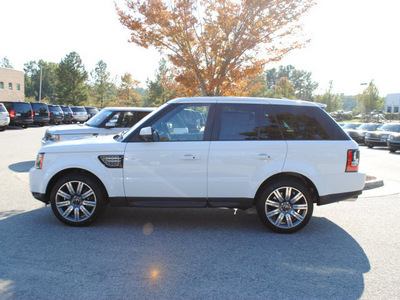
x,y
170,170
246,148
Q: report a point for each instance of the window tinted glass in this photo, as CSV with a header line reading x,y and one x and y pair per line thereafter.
x,y
22,107
2,108
307,123
55,109
141,115
238,122
269,128
78,109
39,107
184,123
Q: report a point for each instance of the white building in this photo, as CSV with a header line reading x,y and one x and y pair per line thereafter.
x,y
392,104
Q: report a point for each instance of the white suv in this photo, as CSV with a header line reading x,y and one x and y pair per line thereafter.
x,y
281,156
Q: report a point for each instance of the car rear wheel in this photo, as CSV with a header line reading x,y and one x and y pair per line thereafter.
x,y
285,206
77,199
392,149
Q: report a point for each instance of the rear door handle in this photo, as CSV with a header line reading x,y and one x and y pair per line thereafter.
x,y
190,157
263,156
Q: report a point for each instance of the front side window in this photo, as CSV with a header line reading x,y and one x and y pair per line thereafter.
x,y
185,122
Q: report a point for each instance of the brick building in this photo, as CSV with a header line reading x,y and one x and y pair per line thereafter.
x,y
11,85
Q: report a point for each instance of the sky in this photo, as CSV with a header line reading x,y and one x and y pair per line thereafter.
x,y
352,41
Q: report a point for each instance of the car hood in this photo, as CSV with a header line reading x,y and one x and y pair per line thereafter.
x,y
72,129
99,145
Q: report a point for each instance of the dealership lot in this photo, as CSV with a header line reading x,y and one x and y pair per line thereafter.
x,y
349,250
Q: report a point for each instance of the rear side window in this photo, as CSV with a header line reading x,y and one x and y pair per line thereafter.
x,y
307,123
238,122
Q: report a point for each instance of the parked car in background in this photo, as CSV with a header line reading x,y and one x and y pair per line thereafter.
x,y
91,111
41,113
359,133
110,121
281,156
67,114
79,114
4,117
21,113
393,142
56,114
352,125
380,136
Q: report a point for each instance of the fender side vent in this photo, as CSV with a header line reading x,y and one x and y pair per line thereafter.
x,y
112,161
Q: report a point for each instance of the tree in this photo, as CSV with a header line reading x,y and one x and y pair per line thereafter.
x,y
333,101
285,89
103,89
72,76
371,99
127,95
5,63
300,79
33,71
217,47
157,91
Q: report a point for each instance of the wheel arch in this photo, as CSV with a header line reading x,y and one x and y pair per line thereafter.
x,y
64,172
289,175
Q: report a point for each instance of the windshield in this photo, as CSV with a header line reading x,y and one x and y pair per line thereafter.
x,y
98,118
369,127
351,125
390,127
138,124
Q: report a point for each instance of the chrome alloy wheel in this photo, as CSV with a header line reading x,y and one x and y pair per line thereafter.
x,y
75,201
286,207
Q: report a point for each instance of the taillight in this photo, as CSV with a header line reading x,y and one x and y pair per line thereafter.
x,y
48,114
353,159
32,113
12,113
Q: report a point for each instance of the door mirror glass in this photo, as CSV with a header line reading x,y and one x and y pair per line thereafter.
x,y
146,134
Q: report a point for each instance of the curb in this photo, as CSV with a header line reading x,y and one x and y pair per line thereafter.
x,y
372,184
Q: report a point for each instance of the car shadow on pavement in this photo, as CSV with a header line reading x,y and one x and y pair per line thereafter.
x,y
176,254
22,167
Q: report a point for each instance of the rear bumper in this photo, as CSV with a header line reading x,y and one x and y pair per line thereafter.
x,y
338,197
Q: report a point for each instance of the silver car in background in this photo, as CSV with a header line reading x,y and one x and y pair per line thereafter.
x,y
4,117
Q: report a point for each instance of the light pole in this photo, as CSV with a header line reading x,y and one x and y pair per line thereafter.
x,y
362,103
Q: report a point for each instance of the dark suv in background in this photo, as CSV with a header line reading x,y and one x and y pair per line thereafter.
x,y
56,114
91,111
67,114
21,113
41,113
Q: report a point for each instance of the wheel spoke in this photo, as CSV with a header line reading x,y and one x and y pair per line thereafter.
x,y
289,221
296,198
300,206
87,194
89,203
272,203
63,194
297,216
288,193
63,203
76,214
278,196
273,213
67,211
85,211
79,188
279,219
70,188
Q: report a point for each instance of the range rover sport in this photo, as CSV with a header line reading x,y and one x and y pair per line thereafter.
x,y
281,156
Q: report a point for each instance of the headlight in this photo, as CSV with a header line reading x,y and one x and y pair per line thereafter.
x,y
52,137
39,161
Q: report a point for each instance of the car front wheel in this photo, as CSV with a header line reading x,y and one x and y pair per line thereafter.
x,y
77,199
285,206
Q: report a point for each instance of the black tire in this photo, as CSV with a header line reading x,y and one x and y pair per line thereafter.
x,y
77,199
392,149
285,206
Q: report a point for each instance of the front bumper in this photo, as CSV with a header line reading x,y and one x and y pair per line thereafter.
x,y
376,141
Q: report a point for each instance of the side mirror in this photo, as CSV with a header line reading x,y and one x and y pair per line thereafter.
x,y
146,133
110,125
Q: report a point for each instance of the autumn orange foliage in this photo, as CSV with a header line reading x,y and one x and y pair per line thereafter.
x,y
216,47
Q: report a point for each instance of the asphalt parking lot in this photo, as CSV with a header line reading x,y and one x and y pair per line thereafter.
x,y
349,250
